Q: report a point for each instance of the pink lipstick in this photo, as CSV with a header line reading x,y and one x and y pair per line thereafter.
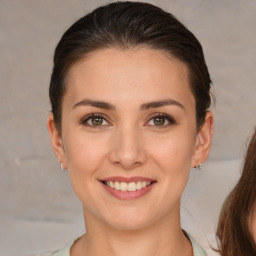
x,y
128,188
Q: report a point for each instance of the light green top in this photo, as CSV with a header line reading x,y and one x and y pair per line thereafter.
x,y
197,249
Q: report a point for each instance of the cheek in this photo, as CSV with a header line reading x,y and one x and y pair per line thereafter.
x,y
174,151
85,155
173,157
85,152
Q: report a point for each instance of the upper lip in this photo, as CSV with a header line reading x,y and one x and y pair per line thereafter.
x,y
127,179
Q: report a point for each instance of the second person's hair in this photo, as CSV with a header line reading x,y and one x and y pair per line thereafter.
x,y
234,229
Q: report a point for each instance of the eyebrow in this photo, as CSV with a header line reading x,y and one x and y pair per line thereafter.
x,y
145,106
157,104
93,103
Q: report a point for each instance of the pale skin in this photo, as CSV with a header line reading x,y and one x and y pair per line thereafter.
x,y
130,113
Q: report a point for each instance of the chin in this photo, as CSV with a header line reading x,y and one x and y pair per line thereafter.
x,y
129,220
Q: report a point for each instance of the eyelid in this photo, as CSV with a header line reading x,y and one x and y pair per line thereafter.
x,y
169,118
85,119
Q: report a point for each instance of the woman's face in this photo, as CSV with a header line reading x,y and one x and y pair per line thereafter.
x,y
129,135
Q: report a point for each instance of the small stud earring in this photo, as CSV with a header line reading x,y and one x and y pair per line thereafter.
x,y
61,166
198,167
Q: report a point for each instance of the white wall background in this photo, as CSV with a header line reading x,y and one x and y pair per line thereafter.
x,y
38,210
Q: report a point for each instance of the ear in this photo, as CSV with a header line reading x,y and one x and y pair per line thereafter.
x,y
56,141
203,140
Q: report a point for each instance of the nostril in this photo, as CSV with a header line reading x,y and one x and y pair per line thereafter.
x,y
127,149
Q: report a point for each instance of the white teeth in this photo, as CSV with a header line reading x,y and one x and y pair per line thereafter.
x,y
139,185
131,186
123,186
117,185
112,184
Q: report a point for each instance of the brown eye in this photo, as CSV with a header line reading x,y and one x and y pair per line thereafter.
x,y
97,120
160,120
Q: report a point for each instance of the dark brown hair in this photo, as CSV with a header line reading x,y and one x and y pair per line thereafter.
x,y
234,228
126,25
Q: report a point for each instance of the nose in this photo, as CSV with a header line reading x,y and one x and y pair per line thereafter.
x,y
127,149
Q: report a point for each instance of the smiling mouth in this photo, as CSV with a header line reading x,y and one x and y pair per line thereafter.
x,y
128,186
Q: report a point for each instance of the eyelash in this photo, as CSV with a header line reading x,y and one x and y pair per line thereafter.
x,y
167,118
85,120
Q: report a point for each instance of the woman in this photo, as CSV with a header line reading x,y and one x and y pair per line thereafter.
x,y
130,93
237,224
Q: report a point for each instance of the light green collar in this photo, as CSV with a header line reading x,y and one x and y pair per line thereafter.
x,y
197,249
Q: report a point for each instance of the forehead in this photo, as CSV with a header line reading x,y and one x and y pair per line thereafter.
x,y
128,73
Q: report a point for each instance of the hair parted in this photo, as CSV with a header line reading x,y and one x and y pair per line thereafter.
x,y
234,229
126,25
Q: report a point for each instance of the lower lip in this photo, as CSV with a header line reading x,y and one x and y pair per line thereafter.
x,y
128,195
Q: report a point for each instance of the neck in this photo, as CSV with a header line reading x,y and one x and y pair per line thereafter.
x,y
163,238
